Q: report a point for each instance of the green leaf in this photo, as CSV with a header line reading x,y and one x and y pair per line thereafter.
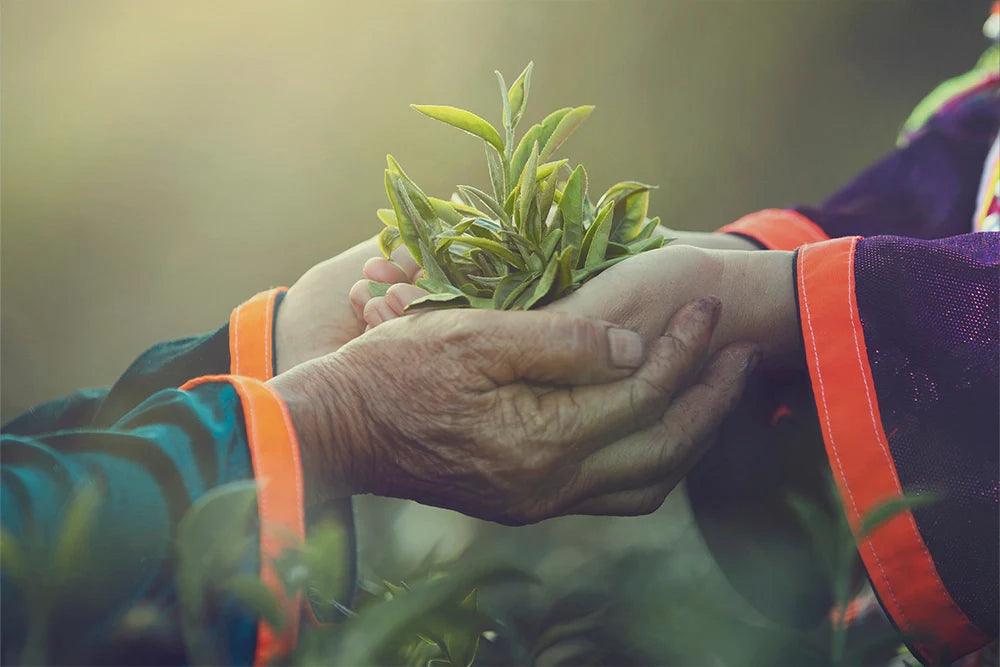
x,y
550,123
482,227
407,225
647,244
510,288
887,510
417,196
498,176
494,248
527,185
505,107
541,133
517,97
544,285
630,216
518,303
541,173
211,541
567,125
253,594
463,120
584,274
617,250
621,190
550,242
648,229
462,644
388,240
595,242
521,153
473,194
445,211
546,193
564,272
571,207
376,288
439,300
387,216
452,212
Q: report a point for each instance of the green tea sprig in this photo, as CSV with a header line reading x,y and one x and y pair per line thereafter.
x,y
535,237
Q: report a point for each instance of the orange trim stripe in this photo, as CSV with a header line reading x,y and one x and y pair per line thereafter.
x,y
274,453
777,229
895,555
990,194
251,328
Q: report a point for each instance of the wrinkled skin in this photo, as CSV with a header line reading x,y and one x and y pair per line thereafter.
x,y
514,417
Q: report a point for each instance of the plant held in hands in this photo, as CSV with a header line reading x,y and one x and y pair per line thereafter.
x,y
535,237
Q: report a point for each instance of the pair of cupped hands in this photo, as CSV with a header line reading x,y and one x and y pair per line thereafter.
x,y
596,404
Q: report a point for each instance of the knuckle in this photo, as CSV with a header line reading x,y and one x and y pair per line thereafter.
x,y
578,335
679,347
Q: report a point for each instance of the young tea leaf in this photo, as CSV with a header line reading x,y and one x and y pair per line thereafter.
x,y
387,216
498,176
517,96
595,242
567,125
439,300
407,226
527,185
463,120
492,247
521,153
388,240
571,207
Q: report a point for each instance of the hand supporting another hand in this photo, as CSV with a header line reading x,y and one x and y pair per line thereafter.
x,y
315,317
514,417
641,293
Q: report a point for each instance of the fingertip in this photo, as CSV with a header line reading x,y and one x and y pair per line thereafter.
x,y
382,270
404,260
377,311
401,295
359,295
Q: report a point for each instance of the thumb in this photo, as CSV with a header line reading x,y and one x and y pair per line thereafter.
x,y
554,348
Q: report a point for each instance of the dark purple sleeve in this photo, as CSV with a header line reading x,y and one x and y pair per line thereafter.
x,y
926,189
901,340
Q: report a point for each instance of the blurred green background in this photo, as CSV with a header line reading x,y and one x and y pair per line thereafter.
x,y
162,161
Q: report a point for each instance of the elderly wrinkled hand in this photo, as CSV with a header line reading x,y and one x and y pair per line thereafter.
x,y
514,417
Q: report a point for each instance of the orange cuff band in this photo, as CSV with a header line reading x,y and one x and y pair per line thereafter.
x,y
895,555
274,453
251,336
777,229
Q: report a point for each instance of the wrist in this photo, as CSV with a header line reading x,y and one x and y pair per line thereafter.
x,y
760,287
324,413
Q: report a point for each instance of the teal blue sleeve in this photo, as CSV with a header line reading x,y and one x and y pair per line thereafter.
x,y
148,465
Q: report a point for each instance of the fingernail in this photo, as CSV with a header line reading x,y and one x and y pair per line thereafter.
x,y
626,348
711,305
751,362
